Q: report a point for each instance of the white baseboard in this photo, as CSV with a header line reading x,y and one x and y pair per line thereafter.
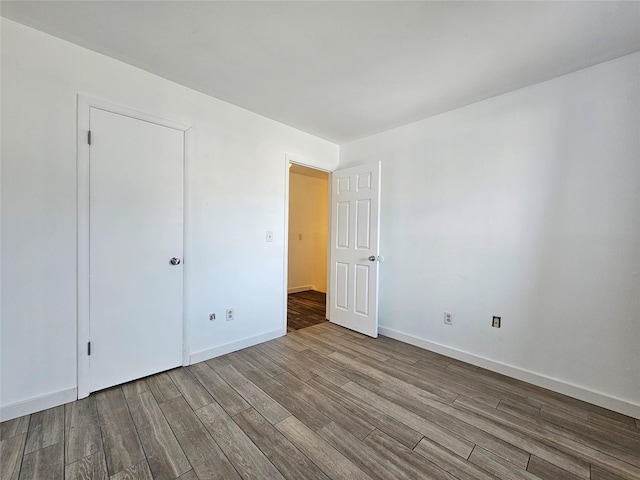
x,y
575,391
209,353
303,288
37,404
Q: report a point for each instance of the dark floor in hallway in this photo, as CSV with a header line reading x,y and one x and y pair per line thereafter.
x,y
305,309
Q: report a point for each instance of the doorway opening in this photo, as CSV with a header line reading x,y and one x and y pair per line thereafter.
x,y
307,246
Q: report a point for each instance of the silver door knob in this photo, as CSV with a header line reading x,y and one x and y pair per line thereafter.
x,y
174,261
372,258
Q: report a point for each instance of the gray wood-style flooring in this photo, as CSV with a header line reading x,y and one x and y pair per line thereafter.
x,y
323,402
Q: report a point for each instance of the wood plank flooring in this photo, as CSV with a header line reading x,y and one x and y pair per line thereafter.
x,y
305,309
323,403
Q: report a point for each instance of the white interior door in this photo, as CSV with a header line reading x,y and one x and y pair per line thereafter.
x,y
355,204
135,229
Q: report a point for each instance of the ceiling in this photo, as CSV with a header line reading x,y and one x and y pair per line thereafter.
x,y
345,70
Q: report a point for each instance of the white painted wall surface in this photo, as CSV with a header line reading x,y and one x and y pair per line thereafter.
x,y
235,187
309,219
526,206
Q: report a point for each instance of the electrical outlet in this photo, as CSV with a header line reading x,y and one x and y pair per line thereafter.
x,y
212,316
448,318
230,315
496,322
269,236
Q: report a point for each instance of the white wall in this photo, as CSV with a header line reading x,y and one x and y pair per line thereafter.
x,y
526,206
309,219
235,193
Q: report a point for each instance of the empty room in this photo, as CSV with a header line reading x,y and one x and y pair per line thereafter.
x,y
320,240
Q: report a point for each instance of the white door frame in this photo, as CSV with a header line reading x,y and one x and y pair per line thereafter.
x,y
323,167
84,106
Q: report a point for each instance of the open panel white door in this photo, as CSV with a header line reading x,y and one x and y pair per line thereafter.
x,y
355,228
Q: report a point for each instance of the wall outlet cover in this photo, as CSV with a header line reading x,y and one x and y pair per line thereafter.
x,y
496,322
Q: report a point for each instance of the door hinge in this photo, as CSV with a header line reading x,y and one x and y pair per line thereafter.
x,y
88,348
89,137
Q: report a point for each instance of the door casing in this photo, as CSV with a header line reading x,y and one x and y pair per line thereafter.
x,y
84,105
305,162
325,168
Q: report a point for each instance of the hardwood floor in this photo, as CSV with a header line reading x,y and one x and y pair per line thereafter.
x,y
323,402
305,309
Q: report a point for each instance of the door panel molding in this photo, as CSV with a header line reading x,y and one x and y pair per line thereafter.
x,y
84,106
